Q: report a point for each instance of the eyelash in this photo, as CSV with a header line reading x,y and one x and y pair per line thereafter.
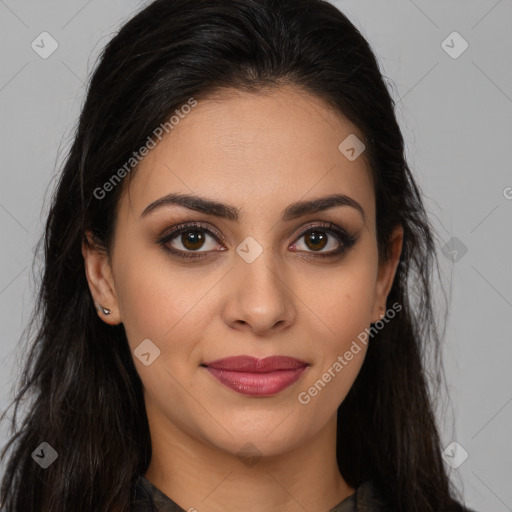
x,y
347,240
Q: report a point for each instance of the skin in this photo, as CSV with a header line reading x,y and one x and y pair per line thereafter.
x,y
259,153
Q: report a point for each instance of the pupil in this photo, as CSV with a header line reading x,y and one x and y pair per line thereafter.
x,y
193,239
317,238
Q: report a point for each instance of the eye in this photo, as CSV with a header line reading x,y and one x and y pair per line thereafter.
x,y
194,240
324,236
184,239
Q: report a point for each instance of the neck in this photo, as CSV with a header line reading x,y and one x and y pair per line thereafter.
x,y
199,476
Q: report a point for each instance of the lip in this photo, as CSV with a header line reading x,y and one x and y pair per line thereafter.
x,y
256,377
255,365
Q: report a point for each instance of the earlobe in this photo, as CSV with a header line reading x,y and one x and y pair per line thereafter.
x,y
103,310
99,278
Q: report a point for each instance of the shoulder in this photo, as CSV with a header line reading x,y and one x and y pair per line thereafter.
x,y
147,498
369,499
142,500
366,498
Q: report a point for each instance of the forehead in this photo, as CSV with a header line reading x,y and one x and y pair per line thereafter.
x,y
269,148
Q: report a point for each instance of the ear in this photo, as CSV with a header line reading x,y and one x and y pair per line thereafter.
x,y
386,273
99,277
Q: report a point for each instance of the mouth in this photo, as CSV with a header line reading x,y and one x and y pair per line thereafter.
x,y
256,377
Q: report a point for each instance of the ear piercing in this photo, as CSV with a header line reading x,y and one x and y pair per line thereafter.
x,y
103,310
382,315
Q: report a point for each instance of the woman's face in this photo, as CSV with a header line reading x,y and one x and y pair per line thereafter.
x,y
244,280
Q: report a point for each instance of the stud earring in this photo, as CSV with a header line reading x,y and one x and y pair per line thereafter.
x,y
382,315
103,310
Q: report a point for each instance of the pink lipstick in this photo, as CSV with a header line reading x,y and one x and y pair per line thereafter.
x,y
256,377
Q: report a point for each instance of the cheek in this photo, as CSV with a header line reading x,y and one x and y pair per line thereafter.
x,y
152,297
341,308
340,346
341,302
166,303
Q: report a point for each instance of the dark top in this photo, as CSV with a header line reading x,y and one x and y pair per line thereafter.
x,y
150,499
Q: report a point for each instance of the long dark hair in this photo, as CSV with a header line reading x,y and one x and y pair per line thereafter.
x,y
84,395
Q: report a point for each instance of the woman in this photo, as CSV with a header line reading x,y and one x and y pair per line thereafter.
x,y
226,315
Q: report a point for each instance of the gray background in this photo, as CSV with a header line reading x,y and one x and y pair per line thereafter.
x,y
455,114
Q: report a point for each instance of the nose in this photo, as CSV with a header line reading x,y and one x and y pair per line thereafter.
x,y
259,298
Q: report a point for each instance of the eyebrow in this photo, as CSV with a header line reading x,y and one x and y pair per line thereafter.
x,y
210,207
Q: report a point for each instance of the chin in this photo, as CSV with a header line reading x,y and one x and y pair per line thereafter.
x,y
261,439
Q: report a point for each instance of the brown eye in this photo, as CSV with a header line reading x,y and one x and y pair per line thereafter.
x,y
196,241
316,240
192,239
188,239
319,240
